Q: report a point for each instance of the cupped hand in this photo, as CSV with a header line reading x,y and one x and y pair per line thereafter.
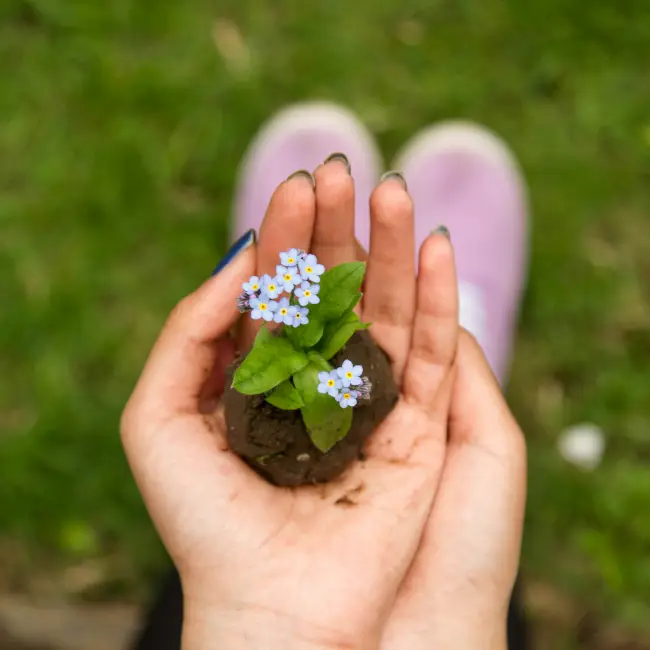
x,y
457,590
316,566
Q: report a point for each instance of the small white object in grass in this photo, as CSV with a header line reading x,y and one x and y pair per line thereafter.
x,y
582,445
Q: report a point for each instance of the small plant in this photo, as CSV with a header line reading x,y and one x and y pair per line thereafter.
x,y
291,366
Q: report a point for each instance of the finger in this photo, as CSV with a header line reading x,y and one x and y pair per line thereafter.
x,y
186,351
362,254
435,328
334,241
288,223
390,283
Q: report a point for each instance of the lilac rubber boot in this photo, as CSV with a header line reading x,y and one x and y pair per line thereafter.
x,y
301,137
462,176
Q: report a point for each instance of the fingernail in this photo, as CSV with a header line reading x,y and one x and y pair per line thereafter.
x,y
394,176
442,230
246,240
303,173
339,157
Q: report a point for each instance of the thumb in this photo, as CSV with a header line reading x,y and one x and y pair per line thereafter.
x,y
187,349
482,495
457,591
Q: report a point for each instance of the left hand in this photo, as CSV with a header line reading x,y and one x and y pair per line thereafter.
x,y
315,566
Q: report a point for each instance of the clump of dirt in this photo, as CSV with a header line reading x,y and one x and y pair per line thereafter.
x,y
275,442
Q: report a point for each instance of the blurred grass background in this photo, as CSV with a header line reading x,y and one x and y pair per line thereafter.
x,y
122,124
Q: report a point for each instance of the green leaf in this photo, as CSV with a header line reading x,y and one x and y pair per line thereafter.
x,y
325,421
285,397
339,287
271,361
306,336
339,294
337,334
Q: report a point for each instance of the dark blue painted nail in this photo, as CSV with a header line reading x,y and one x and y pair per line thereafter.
x,y
246,240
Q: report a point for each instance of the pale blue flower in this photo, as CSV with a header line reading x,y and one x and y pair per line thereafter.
x,y
272,287
329,383
350,375
288,276
310,269
253,286
307,294
347,398
291,257
299,316
284,313
263,308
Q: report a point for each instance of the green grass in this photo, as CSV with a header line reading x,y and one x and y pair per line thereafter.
x,y
122,126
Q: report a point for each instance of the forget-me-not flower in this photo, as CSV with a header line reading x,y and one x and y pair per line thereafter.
x,y
288,276
350,375
347,398
284,312
291,257
263,308
252,286
271,287
329,383
310,269
300,316
307,294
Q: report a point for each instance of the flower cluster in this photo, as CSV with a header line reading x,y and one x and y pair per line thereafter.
x,y
345,384
298,275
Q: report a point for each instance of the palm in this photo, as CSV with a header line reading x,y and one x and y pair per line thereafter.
x,y
347,543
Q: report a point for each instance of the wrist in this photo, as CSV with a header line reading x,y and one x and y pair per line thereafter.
x,y
256,629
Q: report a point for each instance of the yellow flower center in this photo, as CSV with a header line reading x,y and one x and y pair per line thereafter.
x,y
287,276
307,294
283,311
298,315
346,395
271,287
330,383
348,375
309,270
255,287
291,261
263,306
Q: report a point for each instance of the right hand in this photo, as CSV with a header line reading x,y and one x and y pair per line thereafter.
x,y
457,591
